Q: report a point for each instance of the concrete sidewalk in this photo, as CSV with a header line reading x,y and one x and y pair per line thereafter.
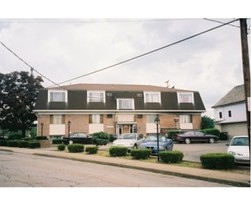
x,y
230,178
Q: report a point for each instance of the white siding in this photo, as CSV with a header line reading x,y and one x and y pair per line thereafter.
x,y
238,113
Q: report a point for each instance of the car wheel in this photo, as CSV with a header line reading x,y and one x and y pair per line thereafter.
x,y
187,141
211,140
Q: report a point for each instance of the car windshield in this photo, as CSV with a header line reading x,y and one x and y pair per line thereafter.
x,y
154,139
240,141
129,136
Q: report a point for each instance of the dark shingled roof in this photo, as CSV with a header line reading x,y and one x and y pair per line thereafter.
x,y
236,95
118,87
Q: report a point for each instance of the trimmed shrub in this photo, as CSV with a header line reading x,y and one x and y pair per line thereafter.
x,y
171,156
217,161
41,138
12,143
112,138
91,149
61,147
223,136
118,151
75,148
34,144
23,144
15,136
57,141
3,142
140,153
211,131
100,138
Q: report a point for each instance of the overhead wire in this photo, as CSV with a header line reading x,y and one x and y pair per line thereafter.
x,y
147,53
119,63
31,68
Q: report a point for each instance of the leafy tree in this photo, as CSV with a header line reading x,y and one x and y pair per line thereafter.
x,y
18,93
207,122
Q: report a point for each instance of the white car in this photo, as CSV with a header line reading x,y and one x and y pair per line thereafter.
x,y
239,148
130,140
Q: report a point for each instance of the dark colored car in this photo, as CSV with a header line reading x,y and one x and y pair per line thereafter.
x,y
151,143
193,136
78,137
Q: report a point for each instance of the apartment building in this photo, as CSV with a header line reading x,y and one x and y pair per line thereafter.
x,y
116,109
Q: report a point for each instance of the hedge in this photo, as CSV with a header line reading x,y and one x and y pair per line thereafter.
x,y
3,142
211,131
41,138
12,143
23,144
100,138
217,161
91,149
140,153
118,151
75,148
171,156
57,141
34,144
61,147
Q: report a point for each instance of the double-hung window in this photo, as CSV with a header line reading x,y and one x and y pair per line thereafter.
x,y
95,96
152,97
57,119
57,96
96,119
185,97
127,104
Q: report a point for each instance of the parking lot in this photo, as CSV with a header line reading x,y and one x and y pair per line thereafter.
x,y
193,151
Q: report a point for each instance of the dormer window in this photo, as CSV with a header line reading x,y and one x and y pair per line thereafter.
x,y
57,96
185,97
125,104
95,96
152,97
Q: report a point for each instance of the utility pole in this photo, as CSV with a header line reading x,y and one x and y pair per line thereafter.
x,y
246,70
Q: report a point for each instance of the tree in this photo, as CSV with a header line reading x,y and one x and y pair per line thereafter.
x,y
207,122
18,93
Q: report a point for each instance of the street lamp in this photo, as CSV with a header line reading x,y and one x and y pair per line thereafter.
x,y
42,129
157,121
176,122
69,128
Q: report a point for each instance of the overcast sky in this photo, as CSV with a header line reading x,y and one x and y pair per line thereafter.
x,y
62,49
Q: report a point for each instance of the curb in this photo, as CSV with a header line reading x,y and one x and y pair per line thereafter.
x,y
165,172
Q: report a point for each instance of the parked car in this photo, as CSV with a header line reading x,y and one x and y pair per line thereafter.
x,y
78,137
130,140
151,143
239,148
194,136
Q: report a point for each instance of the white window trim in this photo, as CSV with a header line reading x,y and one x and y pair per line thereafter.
x,y
133,105
60,91
182,93
95,91
150,93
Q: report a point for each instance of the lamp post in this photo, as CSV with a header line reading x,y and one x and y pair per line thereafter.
x,y
176,122
69,128
42,129
157,121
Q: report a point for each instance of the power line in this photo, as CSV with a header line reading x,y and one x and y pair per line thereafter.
x,y
150,52
31,68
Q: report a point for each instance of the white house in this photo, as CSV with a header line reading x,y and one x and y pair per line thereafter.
x,y
230,112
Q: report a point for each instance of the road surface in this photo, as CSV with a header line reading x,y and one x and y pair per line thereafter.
x,y
24,170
